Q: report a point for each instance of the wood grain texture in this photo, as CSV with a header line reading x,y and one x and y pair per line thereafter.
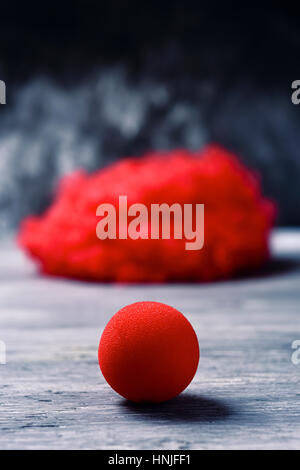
x,y
245,395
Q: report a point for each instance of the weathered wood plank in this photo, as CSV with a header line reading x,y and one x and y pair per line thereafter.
x,y
245,395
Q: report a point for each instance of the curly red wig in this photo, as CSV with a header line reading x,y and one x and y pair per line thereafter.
x,y
237,220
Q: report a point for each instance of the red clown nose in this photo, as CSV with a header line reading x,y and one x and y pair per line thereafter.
x,y
148,352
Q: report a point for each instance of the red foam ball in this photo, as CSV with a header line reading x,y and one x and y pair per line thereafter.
x,y
148,352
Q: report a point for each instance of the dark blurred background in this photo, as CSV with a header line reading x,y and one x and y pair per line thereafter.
x,y
90,82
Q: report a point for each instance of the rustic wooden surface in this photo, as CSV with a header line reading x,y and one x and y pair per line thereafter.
x,y
245,395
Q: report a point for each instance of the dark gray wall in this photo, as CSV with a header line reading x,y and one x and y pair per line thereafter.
x,y
86,86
